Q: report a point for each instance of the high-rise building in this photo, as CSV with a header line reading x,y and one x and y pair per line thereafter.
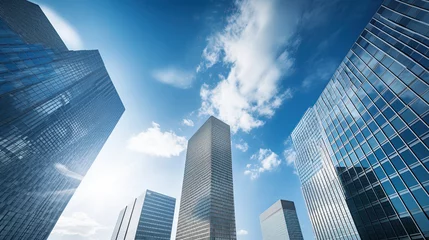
x,y
280,222
207,203
374,117
57,109
149,216
319,183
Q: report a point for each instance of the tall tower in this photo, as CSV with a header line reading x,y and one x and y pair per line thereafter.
x,y
280,222
149,216
207,203
57,109
374,119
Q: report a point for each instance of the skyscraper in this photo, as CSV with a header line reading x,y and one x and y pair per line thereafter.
x,y
207,203
373,117
280,222
149,216
57,109
320,186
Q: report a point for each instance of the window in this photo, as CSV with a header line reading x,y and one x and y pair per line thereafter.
x,y
408,178
388,187
421,174
388,209
409,225
420,150
388,168
423,222
421,197
408,136
408,157
398,184
397,204
397,142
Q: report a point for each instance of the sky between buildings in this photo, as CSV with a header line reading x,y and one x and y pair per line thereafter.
x,y
256,64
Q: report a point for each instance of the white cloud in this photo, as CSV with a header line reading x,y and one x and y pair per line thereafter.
x,y
289,153
257,44
67,172
321,71
174,76
188,122
243,146
78,224
157,143
267,161
67,32
242,232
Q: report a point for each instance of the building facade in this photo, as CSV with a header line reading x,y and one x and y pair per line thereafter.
x,y
57,109
207,202
148,217
319,183
373,117
280,222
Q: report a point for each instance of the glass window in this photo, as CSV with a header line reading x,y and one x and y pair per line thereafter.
x,y
379,172
388,113
397,105
397,142
397,123
388,209
407,96
388,168
420,150
380,154
387,186
398,163
398,183
387,147
380,137
419,128
408,157
408,116
421,174
397,204
421,197
409,179
388,130
423,222
409,225
399,229
408,136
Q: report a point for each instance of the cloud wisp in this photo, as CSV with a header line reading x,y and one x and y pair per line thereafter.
x,y
175,77
256,45
67,172
79,223
66,31
242,146
242,232
188,122
154,142
267,161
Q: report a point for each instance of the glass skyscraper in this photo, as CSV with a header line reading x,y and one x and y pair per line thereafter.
x,y
373,117
319,183
148,217
57,109
280,222
207,203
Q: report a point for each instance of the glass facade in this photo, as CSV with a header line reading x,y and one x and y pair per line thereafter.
x,y
280,222
207,203
374,118
148,217
57,108
324,197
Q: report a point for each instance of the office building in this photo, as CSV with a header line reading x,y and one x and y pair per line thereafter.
x,y
149,216
207,203
280,222
57,109
319,183
374,119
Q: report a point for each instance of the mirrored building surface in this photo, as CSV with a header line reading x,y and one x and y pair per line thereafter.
x,y
280,222
374,117
57,109
149,216
207,203
323,194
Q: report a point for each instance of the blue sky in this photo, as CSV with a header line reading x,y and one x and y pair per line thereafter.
x,y
256,64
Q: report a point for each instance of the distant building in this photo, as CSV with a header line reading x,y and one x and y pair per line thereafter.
x,y
373,118
207,203
149,216
280,222
57,109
